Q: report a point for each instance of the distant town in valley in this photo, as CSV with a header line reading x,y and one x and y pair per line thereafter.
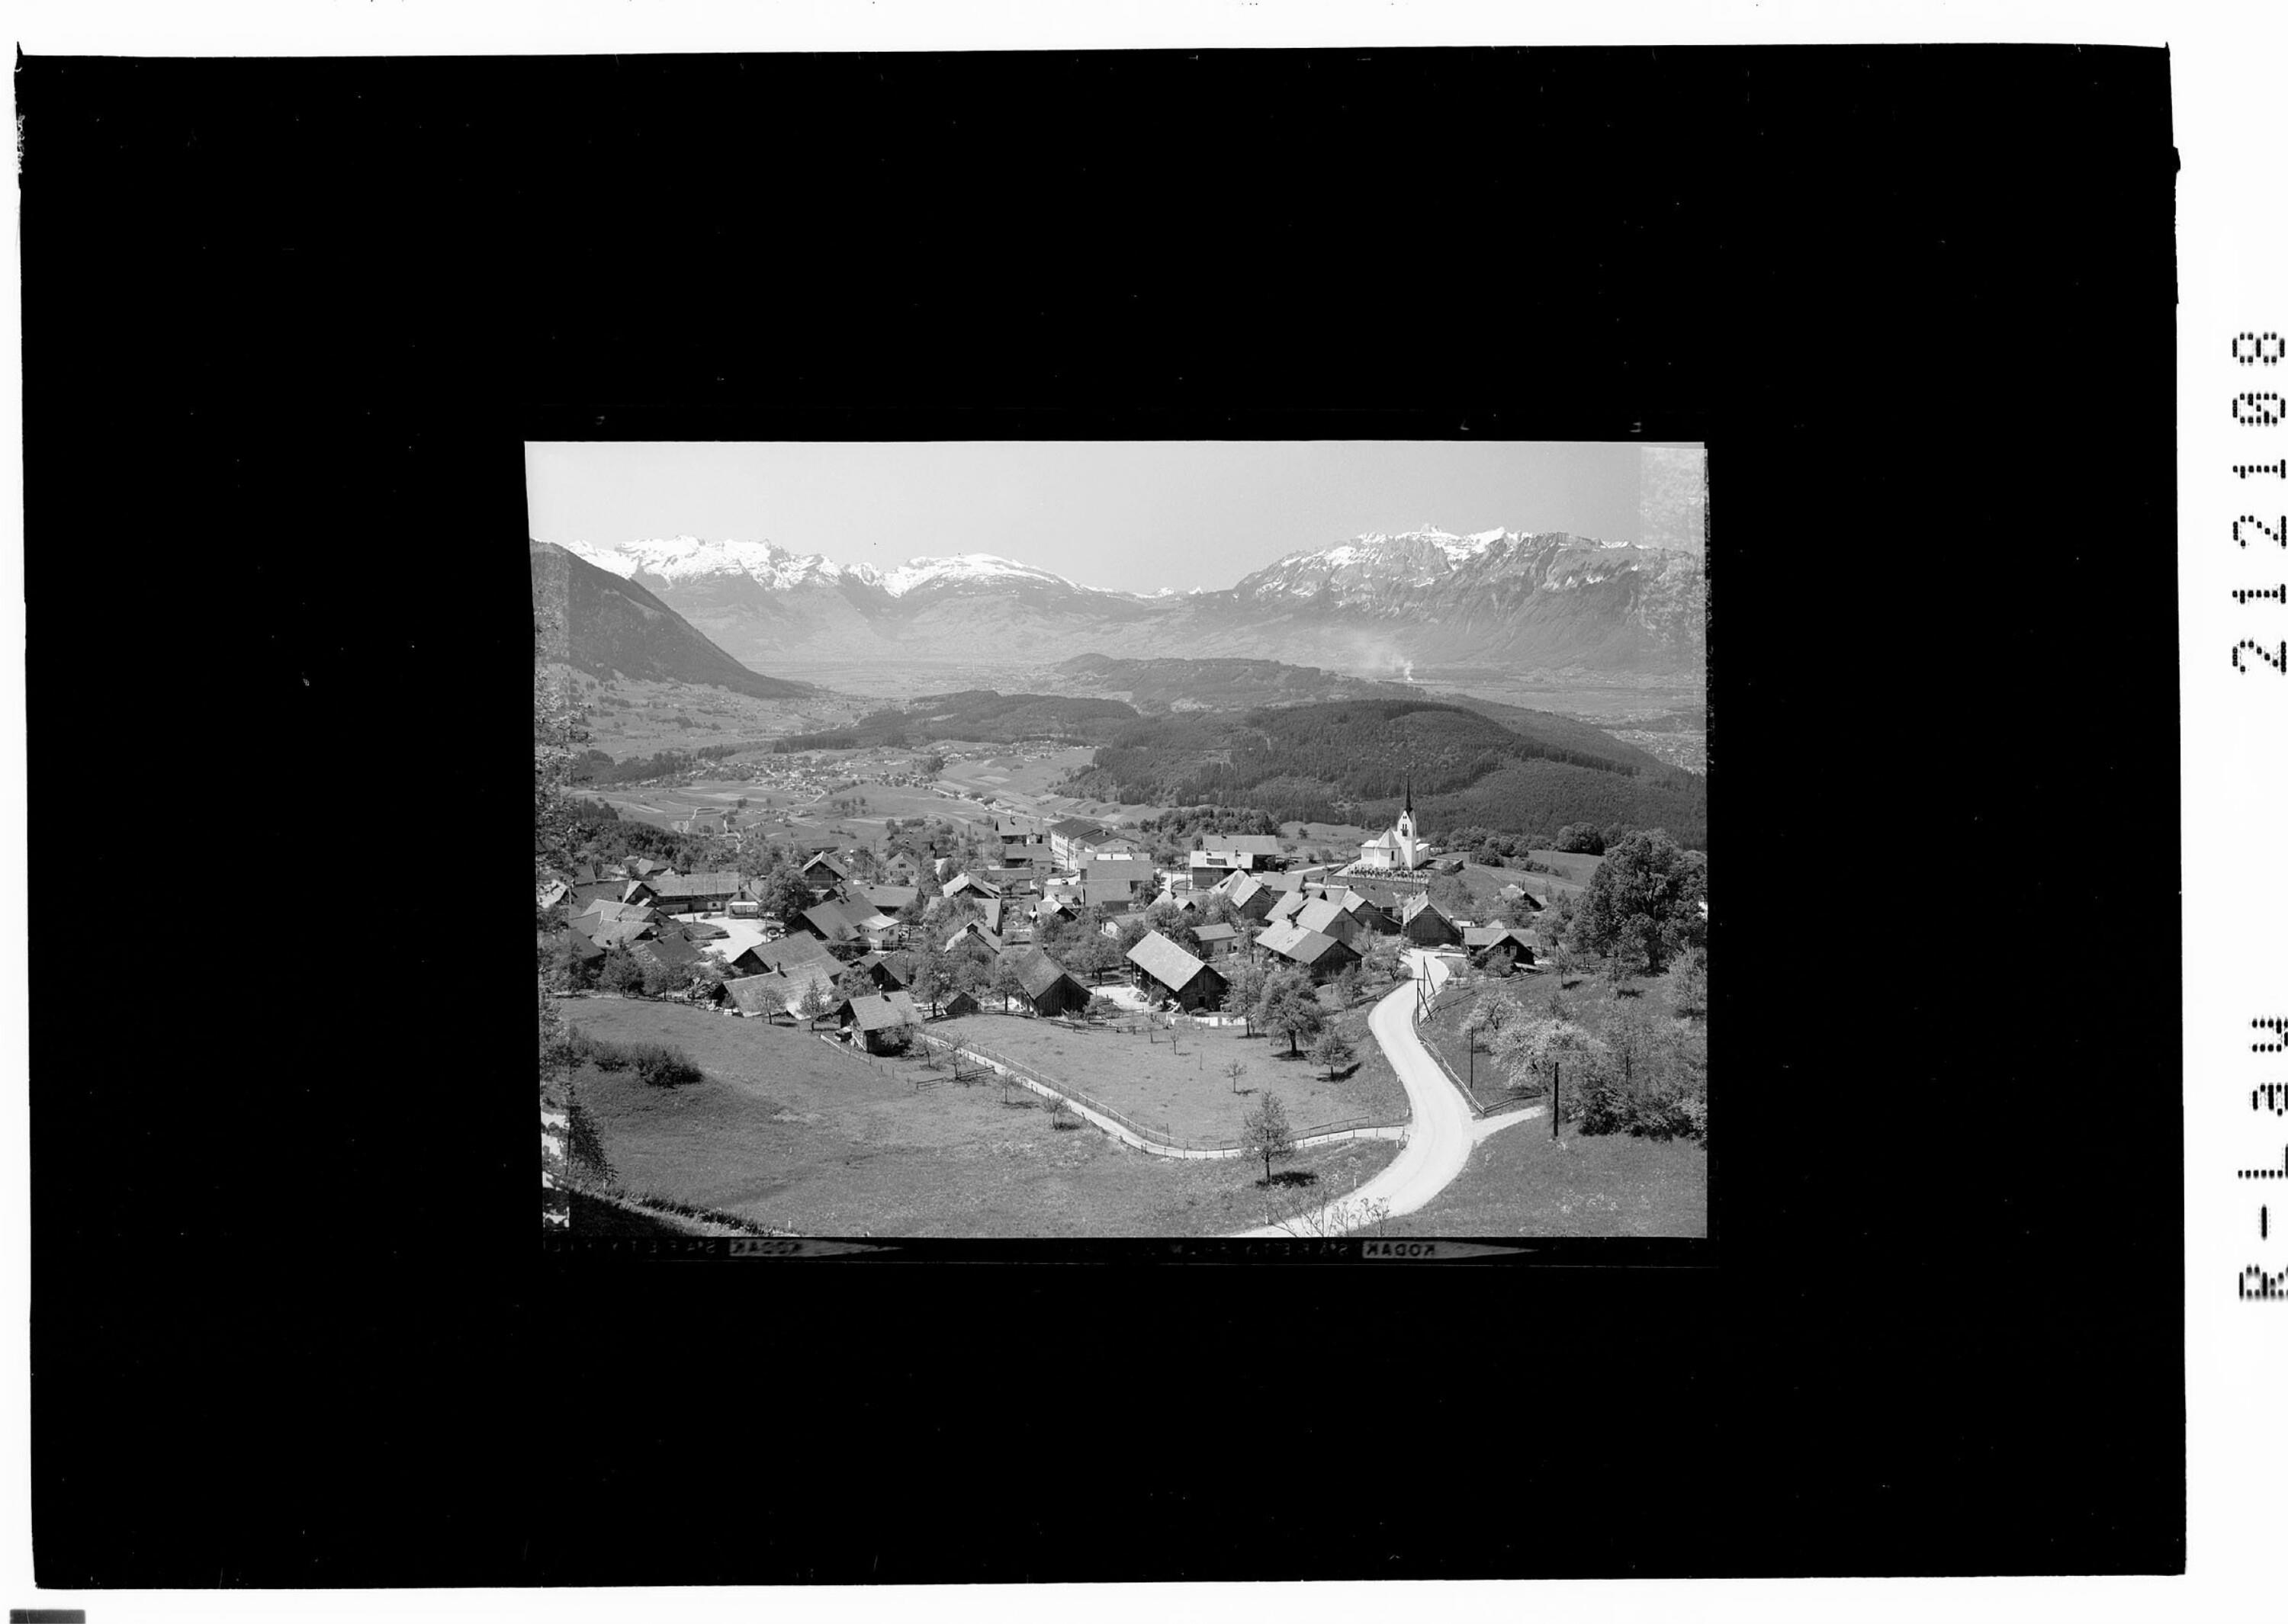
x,y
1366,897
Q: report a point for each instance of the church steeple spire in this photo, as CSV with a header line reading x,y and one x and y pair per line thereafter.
x,y
1410,790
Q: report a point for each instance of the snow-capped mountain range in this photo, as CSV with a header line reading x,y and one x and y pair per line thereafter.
x,y
683,558
1374,603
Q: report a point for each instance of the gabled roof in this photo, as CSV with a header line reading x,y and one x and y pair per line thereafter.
x,y
1420,900
1293,903
827,859
1215,933
960,883
972,928
1292,941
1072,827
720,884
1038,971
1490,936
889,899
1254,846
1320,914
582,947
1165,962
796,949
878,1011
831,921
746,992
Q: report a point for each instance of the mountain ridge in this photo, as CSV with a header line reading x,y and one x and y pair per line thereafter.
x,y
599,623
1376,602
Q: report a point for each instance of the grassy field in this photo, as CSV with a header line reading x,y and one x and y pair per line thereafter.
x,y
789,1133
1519,1182
1180,1088
1586,1000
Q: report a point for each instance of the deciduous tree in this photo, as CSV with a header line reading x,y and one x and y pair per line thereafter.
x,y
1331,1053
1263,1132
1288,1005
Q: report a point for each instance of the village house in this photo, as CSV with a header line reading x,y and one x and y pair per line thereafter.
x,y
1049,988
890,972
825,871
1252,898
1218,855
1217,941
879,1023
1324,957
828,922
765,957
1112,843
970,886
689,893
1121,875
1497,949
975,938
1425,924
1328,918
1068,836
1283,910
1163,969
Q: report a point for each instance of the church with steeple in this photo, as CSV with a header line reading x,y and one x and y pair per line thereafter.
x,y
1396,848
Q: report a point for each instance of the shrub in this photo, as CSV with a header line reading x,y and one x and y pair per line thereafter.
x,y
1600,1105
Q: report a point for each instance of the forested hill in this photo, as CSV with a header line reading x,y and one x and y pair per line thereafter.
x,y
978,714
1347,763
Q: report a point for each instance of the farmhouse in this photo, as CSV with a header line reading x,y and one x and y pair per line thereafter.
x,y
973,938
824,872
1165,970
829,922
1425,924
781,954
877,1023
970,886
1329,918
1113,844
889,899
1252,898
1323,956
607,933
1049,988
1216,940
1498,948
1286,907
1221,854
690,893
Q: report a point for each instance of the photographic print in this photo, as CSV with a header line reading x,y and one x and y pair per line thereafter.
x,y
1054,841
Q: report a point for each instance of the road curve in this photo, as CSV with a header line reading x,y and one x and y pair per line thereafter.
x,y
1438,1139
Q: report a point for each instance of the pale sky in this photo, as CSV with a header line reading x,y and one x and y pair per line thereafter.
x,y
1131,516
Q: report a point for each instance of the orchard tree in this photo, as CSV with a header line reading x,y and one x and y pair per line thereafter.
x,y
1288,1005
1007,981
1263,1132
1244,979
814,1004
1331,1053
772,1003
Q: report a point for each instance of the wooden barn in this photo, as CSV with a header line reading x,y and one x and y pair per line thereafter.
x,y
1049,988
1165,970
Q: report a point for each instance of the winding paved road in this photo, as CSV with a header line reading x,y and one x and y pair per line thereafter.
x,y
1438,1139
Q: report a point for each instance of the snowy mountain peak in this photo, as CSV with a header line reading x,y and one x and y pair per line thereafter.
x,y
686,557
963,567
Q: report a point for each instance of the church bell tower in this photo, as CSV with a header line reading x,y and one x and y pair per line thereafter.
x,y
1406,826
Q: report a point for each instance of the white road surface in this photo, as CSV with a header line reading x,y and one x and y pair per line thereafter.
x,y
1438,1138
